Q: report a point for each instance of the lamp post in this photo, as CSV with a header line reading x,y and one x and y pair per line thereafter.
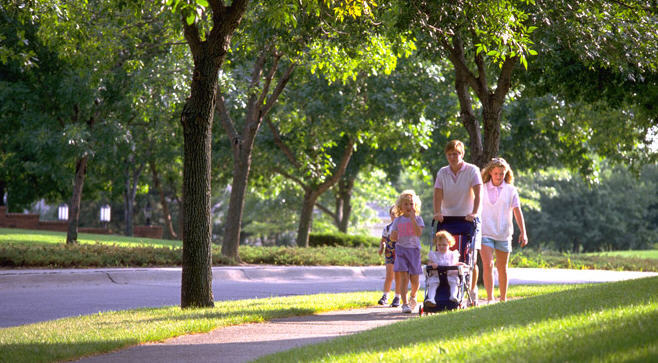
x,y
63,212
105,214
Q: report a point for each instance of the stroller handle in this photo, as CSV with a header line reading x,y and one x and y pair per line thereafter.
x,y
449,219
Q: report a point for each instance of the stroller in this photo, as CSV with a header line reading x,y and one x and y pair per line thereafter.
x,y
464,233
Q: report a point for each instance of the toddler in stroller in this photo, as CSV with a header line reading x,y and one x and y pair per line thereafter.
x,y
449,272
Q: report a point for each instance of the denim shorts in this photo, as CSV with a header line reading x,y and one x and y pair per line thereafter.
x,y
407,260
504,246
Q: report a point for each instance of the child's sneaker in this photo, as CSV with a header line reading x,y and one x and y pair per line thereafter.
x,y
383,300
396,302
406,309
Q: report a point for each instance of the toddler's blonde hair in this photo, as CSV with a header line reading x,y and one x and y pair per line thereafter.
x,y
445,235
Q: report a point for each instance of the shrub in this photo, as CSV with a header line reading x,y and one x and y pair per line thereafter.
x,y
341,240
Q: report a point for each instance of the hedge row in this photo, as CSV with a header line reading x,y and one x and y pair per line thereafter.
x,y
342,240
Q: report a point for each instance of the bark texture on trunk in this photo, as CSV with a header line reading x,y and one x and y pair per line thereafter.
x,y
74,206
196,288
163,200
197,119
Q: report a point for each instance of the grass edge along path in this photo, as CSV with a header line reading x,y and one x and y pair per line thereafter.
x,y
75,337
611,322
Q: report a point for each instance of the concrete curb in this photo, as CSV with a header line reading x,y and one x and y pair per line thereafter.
x,y
271,273
266,273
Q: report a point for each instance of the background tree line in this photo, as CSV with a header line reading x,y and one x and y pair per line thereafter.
x,y
299,113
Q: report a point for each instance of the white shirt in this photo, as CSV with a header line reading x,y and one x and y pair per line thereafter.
x,y
458,196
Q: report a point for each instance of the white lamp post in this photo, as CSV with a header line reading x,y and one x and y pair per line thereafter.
x,y
63,212
105,214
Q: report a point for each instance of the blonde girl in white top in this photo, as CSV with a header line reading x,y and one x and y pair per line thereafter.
x,y
500,201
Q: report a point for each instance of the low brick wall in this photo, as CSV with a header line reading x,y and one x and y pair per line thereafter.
x,y
148,231
31,221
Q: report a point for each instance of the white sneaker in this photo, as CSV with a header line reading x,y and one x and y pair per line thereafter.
x,y
406,309
454,299
491,302
474,297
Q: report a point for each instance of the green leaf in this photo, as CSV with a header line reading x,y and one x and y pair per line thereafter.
x,y
203,3
190,18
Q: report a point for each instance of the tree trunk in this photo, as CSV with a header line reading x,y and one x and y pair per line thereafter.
x,y
129,195
241,168
163,201
197,116
3,189
74,212
306,218
345,187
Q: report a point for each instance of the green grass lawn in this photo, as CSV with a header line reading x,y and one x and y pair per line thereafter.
x,y
605,322
51,237
613,322
650,254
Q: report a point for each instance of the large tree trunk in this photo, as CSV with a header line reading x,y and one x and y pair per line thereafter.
x,y
74,212
163,201
197,119
196,289
492,101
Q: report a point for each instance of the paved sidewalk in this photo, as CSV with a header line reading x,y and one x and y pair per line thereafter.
x,y
243,343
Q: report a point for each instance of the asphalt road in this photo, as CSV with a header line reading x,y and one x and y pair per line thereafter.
x,y
29,296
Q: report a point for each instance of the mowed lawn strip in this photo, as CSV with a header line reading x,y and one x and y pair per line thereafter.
x,y
14,235
71,338
610,322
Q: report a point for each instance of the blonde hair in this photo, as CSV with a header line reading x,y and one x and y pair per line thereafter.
x,y
454,145
404,195
498,163
445,235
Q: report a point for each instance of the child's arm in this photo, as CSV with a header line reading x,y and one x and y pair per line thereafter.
x,y
418,230
382,243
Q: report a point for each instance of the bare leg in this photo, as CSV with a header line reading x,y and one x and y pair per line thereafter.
x,y
502,259
390,275
402,280
415,283
486,253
